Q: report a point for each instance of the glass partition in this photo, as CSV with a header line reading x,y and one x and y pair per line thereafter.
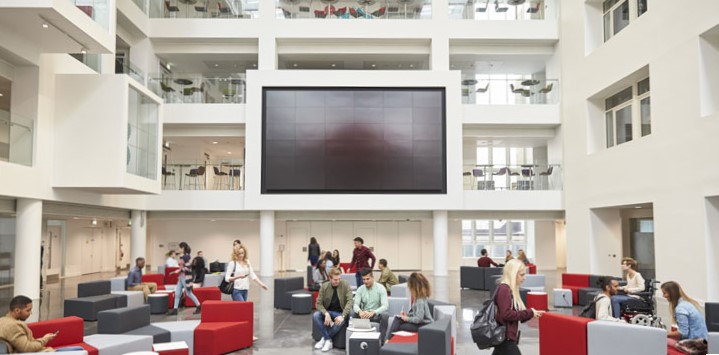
x,y
142,4
124,66
98,10
220,9
142,132
355,9
484,90
226,174
16,138
535,176
504,10
196,88
7,254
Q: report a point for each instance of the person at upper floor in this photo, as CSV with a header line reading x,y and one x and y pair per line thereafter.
x,y
485,261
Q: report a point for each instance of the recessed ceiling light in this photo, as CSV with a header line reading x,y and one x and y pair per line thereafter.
x,y
215,142
213,220
399,65
83,50
452,65
294,65
216,65
411,65
75,217
1,94
229,152
334,65
254,65
45,25
637,206
374,65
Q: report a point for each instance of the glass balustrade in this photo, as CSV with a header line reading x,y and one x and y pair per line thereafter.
x,y
523,177
98,10
16,138
196,88
355,9
203,175
124,66
219,9
142,4
476,90
501,10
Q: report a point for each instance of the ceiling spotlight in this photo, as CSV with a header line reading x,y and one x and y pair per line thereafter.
x,y
374,65
129,223
94,222
411,65
169,66
294,65
75,217
45,25
216,65
83,50
215,142
254,65
229,152
334,65
1,94
213,220
637,206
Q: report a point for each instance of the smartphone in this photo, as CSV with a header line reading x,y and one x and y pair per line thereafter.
x,y
57,331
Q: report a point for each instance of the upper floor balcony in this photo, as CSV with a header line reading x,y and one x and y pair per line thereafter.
x,y
504,10
215,9
200,89
354,9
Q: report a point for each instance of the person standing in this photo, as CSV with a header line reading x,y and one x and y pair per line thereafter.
x,y
635,283
313,251
387,278
134,279
522,256
510,308
419,314
240,267
198,271
485,261
184,272
370,301
334,303
360,259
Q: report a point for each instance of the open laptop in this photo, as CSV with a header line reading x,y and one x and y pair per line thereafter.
x,y
361,324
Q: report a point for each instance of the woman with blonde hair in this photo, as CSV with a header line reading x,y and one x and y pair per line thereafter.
x,y
238,271
521,255
419,314
510,308
685,313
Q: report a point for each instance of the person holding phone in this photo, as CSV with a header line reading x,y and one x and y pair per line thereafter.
x,y
18,336
239,271
419,314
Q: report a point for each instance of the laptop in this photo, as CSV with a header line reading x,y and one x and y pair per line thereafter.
x,y
361,324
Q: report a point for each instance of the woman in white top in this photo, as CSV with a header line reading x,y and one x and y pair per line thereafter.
x,y
603,302
635,283
171,261
238,271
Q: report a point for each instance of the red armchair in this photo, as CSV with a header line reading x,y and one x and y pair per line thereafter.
x,y
171,279
562,334
225,326
575,282
72,330
159,279
204,294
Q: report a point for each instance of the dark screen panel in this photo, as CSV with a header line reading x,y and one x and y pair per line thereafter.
x,y
353,140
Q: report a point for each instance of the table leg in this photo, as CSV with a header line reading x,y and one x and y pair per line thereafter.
x,y
181,175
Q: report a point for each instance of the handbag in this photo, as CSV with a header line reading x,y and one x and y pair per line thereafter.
x,y
227,287
485,330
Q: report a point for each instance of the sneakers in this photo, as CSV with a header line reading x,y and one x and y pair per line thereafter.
x,y
198,309
172,312
327,346
320,344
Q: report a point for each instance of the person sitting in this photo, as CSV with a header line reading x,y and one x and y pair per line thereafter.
x,y
485,261
419,314
602,301
370,301
134,279
171,261
508,256
387,278
685,313
18,336
522,256
334,303
319,275
635,283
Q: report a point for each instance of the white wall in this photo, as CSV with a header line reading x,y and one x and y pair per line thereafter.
x,y
545,245
79,235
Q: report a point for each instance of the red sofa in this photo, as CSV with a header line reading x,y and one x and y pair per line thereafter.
x,y
159,279
562,334
72,331
225,326
203,294
575,282
171,278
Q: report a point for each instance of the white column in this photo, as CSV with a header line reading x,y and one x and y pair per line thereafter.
x,y
440,243
440,53
267,49
267,243
138,237
28,236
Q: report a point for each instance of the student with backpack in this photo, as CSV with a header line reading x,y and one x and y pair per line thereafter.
x,y
603,301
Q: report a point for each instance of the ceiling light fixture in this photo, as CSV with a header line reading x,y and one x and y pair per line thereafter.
x,y
254,65
213,220
83,50
411,65
214,142
334,65
229,152
94,222
45,25
294,65
216,65
374,65
1,94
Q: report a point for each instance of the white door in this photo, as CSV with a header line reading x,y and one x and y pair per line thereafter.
x,y
386,244
409,252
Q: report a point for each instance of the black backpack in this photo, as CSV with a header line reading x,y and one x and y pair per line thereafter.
x,y
486,332
590,310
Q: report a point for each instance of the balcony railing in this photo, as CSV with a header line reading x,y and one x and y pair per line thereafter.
x,y
502,10
201,175
196,88
16,138
98,10
355,9
220,9
142,4
512,177
509,91
124,66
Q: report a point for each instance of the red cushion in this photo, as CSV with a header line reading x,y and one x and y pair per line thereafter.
x,y
555,330
404,339
577,280
159,279
204,294
345,267
71,330
171,279
227,311
216,338
532,269
314,298
537,301
575,292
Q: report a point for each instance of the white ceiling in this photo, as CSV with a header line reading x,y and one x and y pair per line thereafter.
x,y
210,63
354,61
191,147
499,64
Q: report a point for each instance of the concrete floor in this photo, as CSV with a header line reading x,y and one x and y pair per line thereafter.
x,y
279,331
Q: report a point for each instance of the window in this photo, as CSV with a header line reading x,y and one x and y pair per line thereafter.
x,y
618,14
142,132
497,236
619,114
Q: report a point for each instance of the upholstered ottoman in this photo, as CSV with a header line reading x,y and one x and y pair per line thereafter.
x,y
582,293
301,303
562,298
115,344
172,348
537,300
118,283
181,331
400,290
158,303
363,343
213,280
134,298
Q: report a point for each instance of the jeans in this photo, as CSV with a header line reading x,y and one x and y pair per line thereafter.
x,y
70,348
327,332
239,295
509,347
182,285
358,276
313,260
616,307
399,324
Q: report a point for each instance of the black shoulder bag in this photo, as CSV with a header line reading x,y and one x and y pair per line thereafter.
x,y
227,287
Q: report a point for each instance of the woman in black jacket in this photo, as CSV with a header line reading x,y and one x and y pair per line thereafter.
x,y
313,251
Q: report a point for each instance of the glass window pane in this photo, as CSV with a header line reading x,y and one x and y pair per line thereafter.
x,y
618,98
643,86
467,251
500,231
517,230
478,250
641,7
609,124
646,116
467,230
499,156
607,26
624,125
482,230
621,17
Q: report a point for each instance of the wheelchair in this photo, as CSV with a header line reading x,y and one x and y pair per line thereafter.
x,y
642,310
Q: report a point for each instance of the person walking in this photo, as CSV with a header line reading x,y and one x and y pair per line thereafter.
x,y
360,259
184,275
313,251
239,271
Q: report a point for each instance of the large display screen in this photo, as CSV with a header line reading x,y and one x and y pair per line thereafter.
x,y
332,140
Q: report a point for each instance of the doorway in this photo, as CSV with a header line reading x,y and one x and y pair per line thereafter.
x,y
642,245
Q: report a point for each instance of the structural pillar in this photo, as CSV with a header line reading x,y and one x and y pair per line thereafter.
x,y
440,243
28,238
267,243
138,236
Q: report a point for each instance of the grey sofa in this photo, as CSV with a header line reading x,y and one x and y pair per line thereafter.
x,y
433,339
471,277
585,295
93,297
131,321
285,288
713,342
711,316
618,338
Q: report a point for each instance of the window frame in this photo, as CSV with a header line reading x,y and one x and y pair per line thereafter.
x,y
511,241
608,16
634,103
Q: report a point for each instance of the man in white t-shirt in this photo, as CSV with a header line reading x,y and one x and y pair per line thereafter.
x,y
603,303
